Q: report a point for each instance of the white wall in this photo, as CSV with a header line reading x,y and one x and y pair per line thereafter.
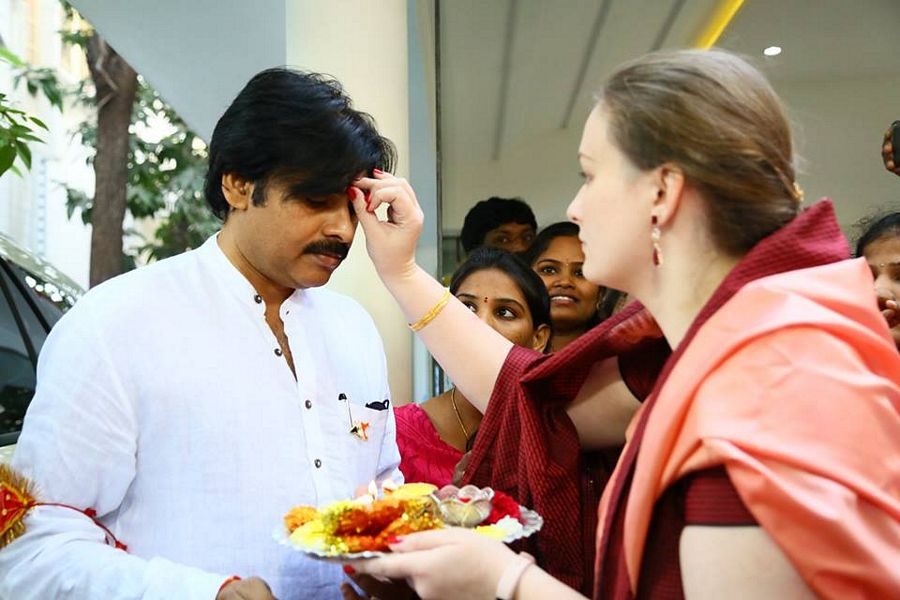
x,y
339,38
196,54
839,127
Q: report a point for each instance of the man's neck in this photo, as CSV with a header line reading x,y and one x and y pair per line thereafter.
x,y
272,293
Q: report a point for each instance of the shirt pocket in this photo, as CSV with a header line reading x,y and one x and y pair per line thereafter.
x,y
362,443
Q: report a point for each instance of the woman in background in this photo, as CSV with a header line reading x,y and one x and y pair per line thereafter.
x,y
880,246
576,304
506,295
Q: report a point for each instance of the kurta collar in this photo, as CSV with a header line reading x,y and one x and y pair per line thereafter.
x,y
228,275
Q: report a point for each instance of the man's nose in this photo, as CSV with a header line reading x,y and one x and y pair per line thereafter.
x,y
518,246
341,224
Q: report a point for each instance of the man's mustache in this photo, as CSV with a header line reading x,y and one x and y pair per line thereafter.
x,y
330,248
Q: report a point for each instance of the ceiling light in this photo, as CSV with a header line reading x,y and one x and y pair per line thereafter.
x,y
772,51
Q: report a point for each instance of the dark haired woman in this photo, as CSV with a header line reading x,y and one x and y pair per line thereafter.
x,y
767,458
880,246
506,295
575,303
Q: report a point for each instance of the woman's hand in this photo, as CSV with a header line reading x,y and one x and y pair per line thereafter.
x,y
444,563
374,589
890,309
392,243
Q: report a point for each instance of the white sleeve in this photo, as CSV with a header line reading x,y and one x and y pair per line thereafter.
x,y
78,446
389,457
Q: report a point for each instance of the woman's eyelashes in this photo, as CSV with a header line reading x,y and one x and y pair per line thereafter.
x,y
505,313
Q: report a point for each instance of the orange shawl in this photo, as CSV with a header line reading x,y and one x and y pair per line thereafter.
x,y
794,386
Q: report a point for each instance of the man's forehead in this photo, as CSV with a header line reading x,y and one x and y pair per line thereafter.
x,y
513,227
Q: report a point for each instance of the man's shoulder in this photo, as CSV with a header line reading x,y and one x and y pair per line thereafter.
x,y
146,285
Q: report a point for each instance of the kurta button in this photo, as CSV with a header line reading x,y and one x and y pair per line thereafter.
x,y
308,403
318,463
278,352
257,298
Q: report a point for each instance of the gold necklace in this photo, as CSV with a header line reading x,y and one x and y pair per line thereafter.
x,y
458,416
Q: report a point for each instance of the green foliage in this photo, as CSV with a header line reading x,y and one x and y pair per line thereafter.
x,y
165,176
17,128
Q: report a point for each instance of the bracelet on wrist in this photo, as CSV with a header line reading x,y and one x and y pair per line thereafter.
x,y
225,583
433,313
509,580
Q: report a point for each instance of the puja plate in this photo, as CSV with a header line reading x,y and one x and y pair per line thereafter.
x,y
531,523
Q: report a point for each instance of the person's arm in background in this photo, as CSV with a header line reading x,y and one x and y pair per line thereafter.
x,y
890,148
78,446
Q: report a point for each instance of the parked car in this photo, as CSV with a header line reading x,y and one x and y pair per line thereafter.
x,y
33,296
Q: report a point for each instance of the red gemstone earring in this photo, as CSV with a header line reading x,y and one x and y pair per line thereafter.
x,y
655,235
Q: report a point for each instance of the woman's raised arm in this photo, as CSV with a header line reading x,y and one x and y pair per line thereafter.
x,y
470,351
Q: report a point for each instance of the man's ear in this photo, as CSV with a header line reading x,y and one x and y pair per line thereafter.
x,y
237,191
541,337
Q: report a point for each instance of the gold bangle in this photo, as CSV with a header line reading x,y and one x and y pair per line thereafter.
x,y
431,314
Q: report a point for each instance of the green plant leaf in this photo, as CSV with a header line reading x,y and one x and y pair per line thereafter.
x,y
24,153
7,157
10,57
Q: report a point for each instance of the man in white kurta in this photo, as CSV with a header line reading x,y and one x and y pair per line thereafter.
x,y
165,402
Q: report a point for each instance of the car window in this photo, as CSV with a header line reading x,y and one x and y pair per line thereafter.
x,y
17,377
51,300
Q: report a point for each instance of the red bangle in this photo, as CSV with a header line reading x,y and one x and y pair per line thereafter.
x,y
231,579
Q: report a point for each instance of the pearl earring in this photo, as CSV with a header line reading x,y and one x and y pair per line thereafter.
x,y
655,235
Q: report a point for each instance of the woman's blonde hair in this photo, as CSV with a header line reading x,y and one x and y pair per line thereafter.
x,y
717,118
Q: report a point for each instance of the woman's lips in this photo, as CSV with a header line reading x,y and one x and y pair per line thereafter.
x,y
562,300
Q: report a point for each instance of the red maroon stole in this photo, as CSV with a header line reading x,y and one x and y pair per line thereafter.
x,y
813,238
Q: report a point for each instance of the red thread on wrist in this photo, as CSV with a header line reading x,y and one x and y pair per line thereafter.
x,y
231,579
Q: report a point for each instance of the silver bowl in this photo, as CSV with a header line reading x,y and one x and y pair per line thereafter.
x,y
464,507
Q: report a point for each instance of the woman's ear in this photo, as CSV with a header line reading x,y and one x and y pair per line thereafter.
x,y
541,337
237,191
670,183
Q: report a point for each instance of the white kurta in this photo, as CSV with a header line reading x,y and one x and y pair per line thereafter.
x,y
162,403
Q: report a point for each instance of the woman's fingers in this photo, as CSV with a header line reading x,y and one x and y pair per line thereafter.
x,y
392,566
435,538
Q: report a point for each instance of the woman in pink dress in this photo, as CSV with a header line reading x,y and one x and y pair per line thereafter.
x,y
508,296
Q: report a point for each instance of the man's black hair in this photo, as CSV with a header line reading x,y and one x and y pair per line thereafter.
x,y
526,280
299,128
490,214
888,225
